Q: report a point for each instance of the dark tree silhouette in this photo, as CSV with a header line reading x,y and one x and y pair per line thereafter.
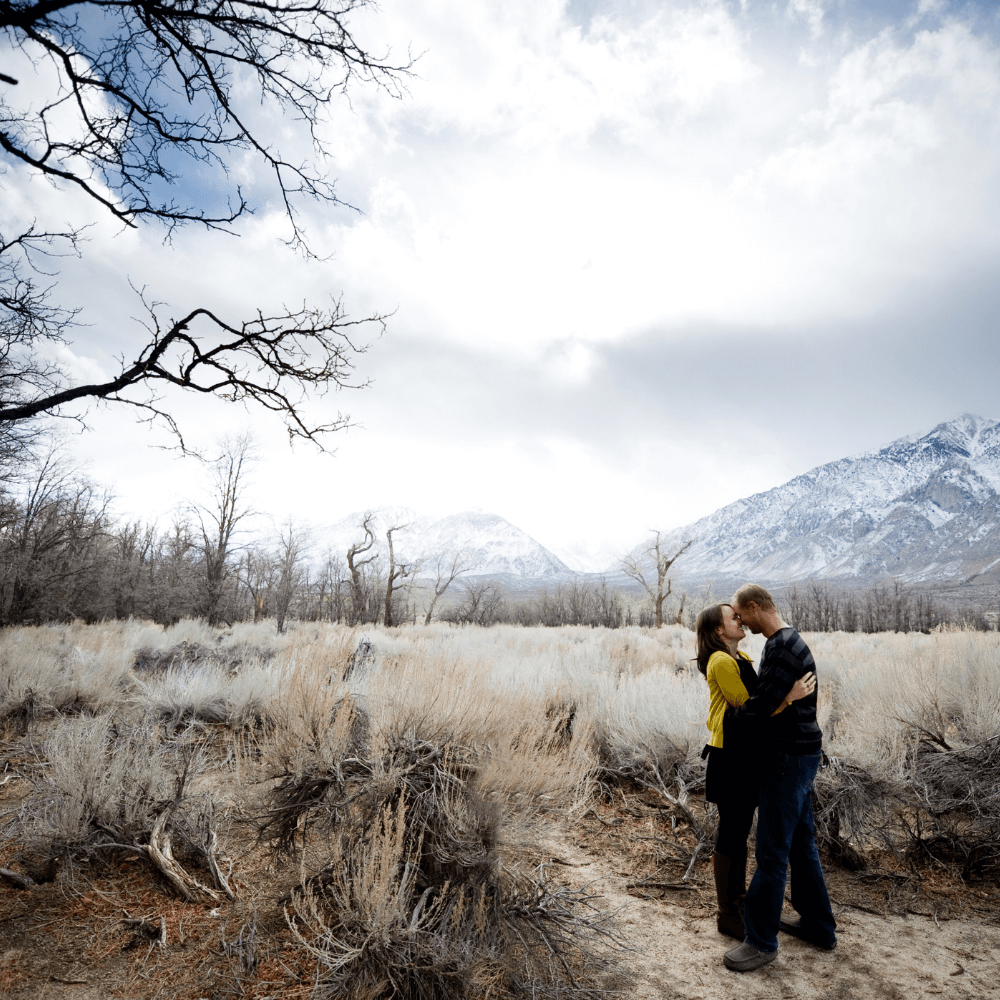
x,y
143,90
143,97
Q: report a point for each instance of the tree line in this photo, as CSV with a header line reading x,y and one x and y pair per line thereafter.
x,y
64,555
884,606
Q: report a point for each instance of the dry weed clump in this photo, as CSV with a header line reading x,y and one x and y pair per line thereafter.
x,y
404,792
108,785
393,787
413,898
912,722
49,670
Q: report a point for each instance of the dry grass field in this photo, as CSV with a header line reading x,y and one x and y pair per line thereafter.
x,y
433,812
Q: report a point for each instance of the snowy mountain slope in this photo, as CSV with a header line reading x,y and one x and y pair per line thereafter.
x,y
490,545
922,508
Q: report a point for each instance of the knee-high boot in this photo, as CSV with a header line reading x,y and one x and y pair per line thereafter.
x,y
738,878
730,888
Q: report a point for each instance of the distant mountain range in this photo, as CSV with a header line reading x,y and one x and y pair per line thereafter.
x,y
924,509
489,545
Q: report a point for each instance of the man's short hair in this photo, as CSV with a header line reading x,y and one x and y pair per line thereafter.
x,y
753,592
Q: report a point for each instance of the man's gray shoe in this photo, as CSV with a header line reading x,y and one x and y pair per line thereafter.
x,y
746,958
793,926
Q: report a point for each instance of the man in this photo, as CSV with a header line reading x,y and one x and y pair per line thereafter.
x,y
791,751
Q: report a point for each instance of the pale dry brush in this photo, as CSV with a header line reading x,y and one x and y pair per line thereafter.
x,y
106,784
45,670
910,721
414,898
912,731
402,791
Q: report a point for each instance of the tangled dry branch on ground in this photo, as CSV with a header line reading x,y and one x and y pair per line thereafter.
x,y
414,899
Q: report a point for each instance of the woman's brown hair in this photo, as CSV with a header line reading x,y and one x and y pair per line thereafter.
x,y
707,638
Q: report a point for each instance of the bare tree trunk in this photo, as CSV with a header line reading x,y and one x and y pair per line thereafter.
x,y
354,566
289,573
397,571
631,567
219,521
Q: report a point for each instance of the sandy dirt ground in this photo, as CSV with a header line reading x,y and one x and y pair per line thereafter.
x,y
675,951
678,952
903,934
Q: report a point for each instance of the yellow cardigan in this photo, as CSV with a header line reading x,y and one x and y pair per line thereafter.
x,y
726,688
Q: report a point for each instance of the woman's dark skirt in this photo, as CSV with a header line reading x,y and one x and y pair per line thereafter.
x,y
733,784
730,778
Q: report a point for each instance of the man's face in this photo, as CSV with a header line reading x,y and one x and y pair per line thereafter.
x,y
749,616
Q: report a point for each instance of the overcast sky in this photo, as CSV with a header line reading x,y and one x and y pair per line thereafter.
x,y
643,259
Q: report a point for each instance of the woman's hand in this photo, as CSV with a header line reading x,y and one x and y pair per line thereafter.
x,y
802,688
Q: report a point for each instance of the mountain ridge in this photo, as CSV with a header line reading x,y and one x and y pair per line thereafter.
x,y
923,508
488,544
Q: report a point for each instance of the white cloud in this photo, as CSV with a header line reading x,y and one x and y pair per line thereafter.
x,y
811,11
550,190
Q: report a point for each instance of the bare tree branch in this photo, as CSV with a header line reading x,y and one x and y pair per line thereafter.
x,y
269,360
632,567
143,87
136,96
446,575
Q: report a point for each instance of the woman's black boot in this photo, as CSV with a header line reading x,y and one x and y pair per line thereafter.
x,y
730,888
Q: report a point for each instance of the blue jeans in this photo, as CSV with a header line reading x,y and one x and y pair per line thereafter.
x,y
786,837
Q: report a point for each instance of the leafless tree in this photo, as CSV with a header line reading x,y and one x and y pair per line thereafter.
x,y
328,591
445,574
632,566
257,574
355,565
172,574
219,519
132,549
608,606
484,603
679,617
140,94
290,572
399,572
50,544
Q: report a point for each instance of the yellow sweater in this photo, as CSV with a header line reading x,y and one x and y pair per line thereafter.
x,y
726,689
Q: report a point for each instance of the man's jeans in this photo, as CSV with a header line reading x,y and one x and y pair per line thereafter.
x,y
786,837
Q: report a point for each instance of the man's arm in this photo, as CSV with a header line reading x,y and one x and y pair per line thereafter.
x,y
778,674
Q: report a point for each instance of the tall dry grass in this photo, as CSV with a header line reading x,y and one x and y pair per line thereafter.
x,y
400,791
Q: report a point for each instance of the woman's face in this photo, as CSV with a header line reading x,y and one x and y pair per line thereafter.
x,y
730,629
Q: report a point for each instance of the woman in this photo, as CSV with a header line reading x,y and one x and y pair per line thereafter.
x,y
729,780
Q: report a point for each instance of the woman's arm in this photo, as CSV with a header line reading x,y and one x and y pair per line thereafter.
x,y
725,673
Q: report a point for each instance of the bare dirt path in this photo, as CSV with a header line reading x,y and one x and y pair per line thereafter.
x,y
678,952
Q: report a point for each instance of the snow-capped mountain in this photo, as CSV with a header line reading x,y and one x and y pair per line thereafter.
x,y
590,556
488,544
922,508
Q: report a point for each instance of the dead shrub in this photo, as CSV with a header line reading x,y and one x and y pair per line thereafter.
x,y
954,796
413,899
853,810
110,785
231,657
